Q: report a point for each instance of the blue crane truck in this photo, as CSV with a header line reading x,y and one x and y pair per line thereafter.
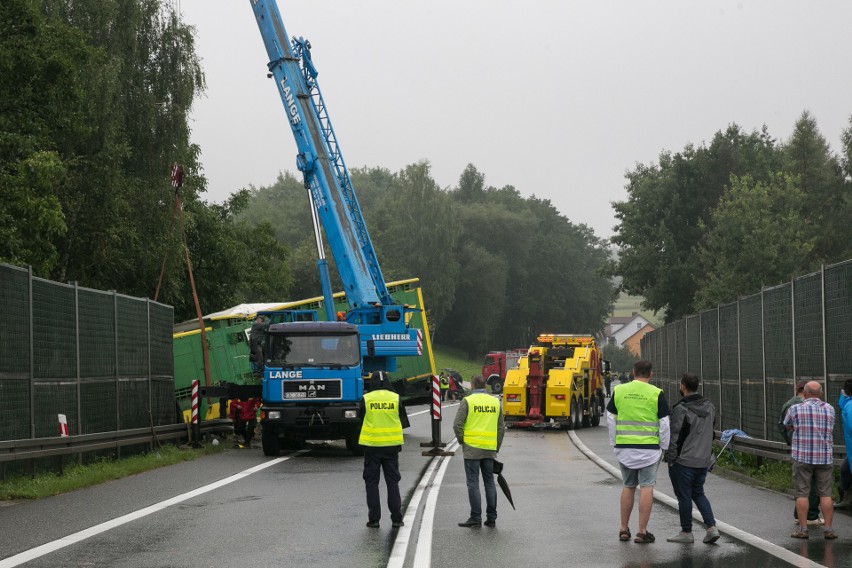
x,y
313,376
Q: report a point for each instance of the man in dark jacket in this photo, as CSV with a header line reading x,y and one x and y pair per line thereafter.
x,y
689,455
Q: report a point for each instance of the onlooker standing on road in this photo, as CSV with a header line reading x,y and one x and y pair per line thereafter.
x,y
845,473
381,436
479,428
813,498
812,423
638,421
689,455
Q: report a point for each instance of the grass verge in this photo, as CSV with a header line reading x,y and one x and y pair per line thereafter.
x,y
80,476
776,475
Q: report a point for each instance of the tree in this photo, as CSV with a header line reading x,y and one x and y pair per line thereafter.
x,y
668,211
758,237
620,358
821,180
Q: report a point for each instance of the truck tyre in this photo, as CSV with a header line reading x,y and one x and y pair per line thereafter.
x,y
497,387
352,443
270,441
572,420
587,417
596,410
578,417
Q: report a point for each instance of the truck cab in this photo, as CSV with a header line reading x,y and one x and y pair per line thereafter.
x,y
312,383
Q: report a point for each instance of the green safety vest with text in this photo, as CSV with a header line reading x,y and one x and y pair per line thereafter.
x,y
637,423
382,426
480,428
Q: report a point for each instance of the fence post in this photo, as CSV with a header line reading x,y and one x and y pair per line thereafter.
x,y
763,361
77,348
739,367
32,353
824,334
793,331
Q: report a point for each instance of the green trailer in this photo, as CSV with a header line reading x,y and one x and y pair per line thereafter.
x,y
228,348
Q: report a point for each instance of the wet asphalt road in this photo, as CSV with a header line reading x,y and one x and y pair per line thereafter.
x,y
310,510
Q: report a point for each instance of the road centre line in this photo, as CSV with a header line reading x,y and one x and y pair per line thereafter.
x,y
423,552
80,536
403,536
748,538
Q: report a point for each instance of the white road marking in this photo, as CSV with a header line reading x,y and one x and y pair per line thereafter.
x,y
423,552
403,536
58,544
430,409
748,538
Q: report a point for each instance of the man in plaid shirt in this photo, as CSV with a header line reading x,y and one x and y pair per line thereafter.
x,y
812,424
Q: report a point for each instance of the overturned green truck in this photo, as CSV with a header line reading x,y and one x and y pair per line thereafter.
x,y
229,352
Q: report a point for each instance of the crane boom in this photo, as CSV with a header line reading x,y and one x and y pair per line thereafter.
x,y
321,161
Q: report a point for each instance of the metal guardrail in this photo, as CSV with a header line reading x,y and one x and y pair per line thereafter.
x,y
19,450
769,449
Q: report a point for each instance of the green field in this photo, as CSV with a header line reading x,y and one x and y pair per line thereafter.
x,y
625,306
448,357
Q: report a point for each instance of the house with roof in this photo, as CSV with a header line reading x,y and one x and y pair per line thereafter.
x,y
626,331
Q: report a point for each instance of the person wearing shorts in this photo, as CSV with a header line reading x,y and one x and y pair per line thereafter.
x,y
812,424
638,422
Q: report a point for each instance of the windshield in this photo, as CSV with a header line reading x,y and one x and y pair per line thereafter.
x,y
314,350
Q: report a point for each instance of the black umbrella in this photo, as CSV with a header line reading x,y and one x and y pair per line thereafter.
x,y
501,481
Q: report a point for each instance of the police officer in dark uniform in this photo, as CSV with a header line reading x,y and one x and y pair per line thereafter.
x,y
381,437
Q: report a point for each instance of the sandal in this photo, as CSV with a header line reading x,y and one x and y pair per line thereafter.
x,y
800,534
644,538
624,536
829,534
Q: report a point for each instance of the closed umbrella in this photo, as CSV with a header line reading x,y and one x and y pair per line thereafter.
x,y
501,481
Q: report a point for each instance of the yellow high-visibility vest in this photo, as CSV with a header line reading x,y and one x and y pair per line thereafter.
x,y
637,423
480,428
381,422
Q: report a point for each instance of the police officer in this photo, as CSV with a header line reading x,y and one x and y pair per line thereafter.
x,y
381,437
445,384
479,427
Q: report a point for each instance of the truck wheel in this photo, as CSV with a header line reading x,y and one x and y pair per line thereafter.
x,y
352,443
595,409
587,418
496,387
270,442
572,420
578,417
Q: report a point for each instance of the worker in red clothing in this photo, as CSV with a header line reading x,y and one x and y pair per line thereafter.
x,y
244,415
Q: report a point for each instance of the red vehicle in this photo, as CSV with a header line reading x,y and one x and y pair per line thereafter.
x,y
497,363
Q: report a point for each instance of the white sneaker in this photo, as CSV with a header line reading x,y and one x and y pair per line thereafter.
x,y
712,535
818,522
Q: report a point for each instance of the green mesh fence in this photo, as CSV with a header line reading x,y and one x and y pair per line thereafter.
x,y
751,366
729,378
751,352
807,301
693,345
98,407
778,342
14,325
97,335
709,372
101,359
54,331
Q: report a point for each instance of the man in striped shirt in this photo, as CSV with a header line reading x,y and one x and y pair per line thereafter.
x,y
812,424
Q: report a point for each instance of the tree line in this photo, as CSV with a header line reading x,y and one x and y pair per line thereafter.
x,y
496,268
95,97
713,222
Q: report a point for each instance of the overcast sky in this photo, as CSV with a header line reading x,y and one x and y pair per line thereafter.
x,y
557,98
